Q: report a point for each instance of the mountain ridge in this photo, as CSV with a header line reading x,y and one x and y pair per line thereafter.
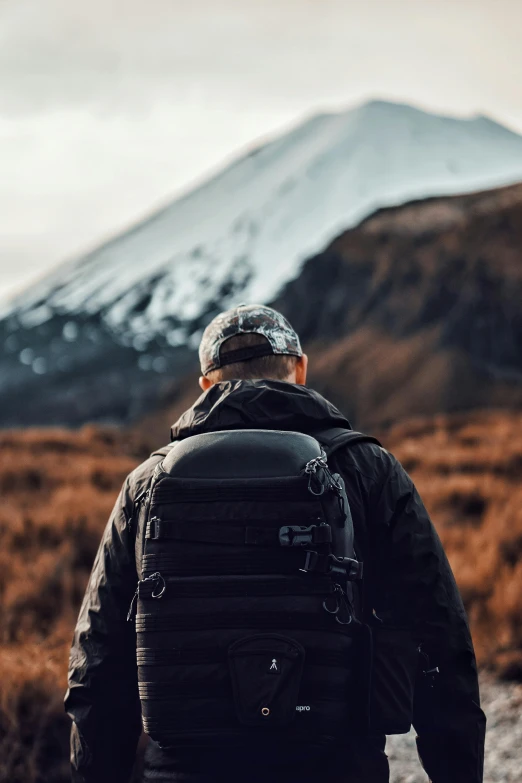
x,y
109,336
329,146
389,356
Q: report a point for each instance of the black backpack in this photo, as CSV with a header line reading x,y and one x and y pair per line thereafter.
x,y
249,621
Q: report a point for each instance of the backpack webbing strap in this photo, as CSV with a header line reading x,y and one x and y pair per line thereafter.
x,y
232,588
173,622
166,691
221,533
203,656
260,560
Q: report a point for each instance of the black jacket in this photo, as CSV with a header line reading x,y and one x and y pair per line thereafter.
x,y
407,577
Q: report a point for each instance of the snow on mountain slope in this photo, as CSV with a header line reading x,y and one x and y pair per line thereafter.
x,y
242,235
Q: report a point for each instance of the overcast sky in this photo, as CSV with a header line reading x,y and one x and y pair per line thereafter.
x,y
109,108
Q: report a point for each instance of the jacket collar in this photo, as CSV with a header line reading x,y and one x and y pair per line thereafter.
x,y
263,404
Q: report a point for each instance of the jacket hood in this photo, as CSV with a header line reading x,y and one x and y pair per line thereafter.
x,y
263,404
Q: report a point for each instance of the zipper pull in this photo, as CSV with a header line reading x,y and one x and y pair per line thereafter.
x,y
161,585
139,501
312,469
143,498
344,605
336,608
338,597
132,608
157,592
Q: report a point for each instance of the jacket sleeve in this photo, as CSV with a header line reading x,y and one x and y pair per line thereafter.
x,y
102,699
447,717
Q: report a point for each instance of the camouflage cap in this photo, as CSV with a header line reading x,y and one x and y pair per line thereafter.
x,y
247,319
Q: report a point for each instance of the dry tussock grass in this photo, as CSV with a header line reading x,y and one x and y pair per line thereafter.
x,y
58,488
468,469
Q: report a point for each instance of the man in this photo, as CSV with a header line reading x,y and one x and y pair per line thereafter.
x,y
253,376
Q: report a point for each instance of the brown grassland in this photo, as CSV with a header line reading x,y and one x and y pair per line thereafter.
x,y
58,487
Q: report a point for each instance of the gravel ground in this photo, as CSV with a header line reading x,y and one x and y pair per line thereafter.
x,y
502,703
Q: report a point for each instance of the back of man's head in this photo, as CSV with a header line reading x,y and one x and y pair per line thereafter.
x,y
248,342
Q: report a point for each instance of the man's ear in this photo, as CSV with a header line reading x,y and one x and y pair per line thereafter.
x,y
301,370
204,382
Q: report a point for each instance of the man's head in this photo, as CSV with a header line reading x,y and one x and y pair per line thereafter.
x,y
251,341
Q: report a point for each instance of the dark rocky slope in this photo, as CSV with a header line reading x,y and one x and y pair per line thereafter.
x,y
418,309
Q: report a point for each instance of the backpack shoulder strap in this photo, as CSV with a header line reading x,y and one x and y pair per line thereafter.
x,y
331,440
335,438
140,506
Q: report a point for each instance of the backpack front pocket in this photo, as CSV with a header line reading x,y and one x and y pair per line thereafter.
x,y
266,671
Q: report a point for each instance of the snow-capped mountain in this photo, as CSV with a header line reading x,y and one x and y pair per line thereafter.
x,y
242,235
108,336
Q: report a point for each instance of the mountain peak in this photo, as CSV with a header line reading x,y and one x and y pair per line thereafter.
x,y
246,232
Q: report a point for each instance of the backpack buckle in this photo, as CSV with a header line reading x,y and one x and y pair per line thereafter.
x,y
154,527
315,563
297,535
345,567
